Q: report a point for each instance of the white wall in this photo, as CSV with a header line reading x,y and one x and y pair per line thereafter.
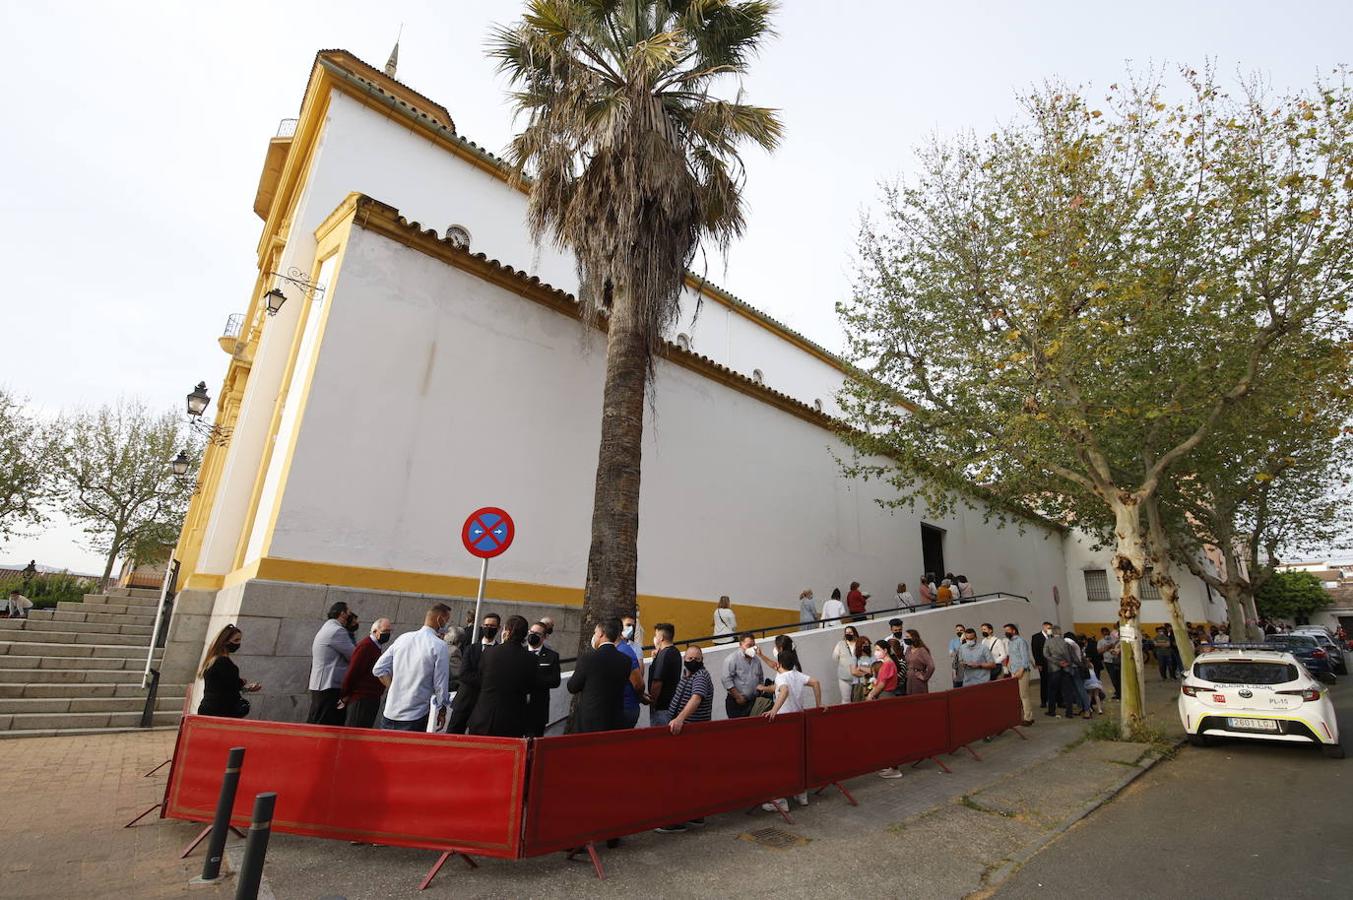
x,y
436,392
1081,555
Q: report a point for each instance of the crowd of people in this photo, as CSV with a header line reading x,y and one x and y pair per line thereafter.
x,y
853,606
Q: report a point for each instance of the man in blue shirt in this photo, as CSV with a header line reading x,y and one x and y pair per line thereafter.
x,y
1020,660
955,665
417,671
634,691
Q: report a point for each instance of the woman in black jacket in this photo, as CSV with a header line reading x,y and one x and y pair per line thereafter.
x,y
222,684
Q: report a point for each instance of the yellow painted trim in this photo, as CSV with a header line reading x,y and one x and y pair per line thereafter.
x,y
201,581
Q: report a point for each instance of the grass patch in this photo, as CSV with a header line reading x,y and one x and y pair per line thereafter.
x,y
1110,730
968,801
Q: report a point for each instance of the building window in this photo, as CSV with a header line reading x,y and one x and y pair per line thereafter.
x,y
817,404
459,235
1145,589
1096,584
758,376
683,341
932,550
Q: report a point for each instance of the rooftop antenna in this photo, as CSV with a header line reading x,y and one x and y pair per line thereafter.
x,y
393,62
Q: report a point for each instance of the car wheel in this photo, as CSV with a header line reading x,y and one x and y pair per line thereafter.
x,y
1198,740
1333,751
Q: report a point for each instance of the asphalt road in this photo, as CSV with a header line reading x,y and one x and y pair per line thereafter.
x,y
1235,820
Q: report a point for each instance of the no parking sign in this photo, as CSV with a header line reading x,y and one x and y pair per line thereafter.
x,y
488,532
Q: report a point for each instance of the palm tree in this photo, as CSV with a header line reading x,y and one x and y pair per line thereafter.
x,y
633,164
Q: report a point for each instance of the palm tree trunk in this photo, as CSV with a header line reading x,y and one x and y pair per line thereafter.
x,y
613,562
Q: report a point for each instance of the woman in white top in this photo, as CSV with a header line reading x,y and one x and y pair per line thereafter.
x,y
833,608
807,608
843,654
791,688
965,591
725,622
904,598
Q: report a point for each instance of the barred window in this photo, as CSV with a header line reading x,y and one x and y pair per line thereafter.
x,y
1096,584
1145,589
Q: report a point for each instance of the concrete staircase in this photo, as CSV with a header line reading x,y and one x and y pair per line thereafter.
x,y
77,669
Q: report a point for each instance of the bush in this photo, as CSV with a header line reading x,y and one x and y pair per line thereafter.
x,y
46,591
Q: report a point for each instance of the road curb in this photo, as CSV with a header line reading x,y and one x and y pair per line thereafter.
x,y
994,879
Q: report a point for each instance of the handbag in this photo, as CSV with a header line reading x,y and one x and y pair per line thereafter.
x,y
858,692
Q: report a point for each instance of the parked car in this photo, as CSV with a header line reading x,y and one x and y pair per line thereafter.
x,y
1256,693
1329,645
1307,649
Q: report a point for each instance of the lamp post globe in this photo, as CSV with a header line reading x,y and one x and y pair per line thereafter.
x,y
275,299
179,464
198,400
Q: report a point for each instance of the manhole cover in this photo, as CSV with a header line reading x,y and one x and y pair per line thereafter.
x,y
774,837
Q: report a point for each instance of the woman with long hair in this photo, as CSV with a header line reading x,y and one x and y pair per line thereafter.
x,y
222,686
725,621
863,671
920,664
843,654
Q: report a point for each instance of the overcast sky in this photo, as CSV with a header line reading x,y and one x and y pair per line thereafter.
x,y
134,133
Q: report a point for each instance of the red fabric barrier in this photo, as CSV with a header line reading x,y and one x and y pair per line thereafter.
x,y
857,738
578,782
439,792
982,710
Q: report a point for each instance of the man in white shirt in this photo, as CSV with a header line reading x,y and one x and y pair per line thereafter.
x,y
330,652
998,649
416,671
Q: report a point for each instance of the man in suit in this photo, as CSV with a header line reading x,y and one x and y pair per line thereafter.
x,y
361,692
468,691
1036,645
547,678
508,674
599,680
329,654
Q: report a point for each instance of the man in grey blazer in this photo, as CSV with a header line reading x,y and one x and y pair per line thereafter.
x,y
330,652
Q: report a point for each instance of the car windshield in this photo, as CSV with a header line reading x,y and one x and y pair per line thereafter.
x,y
1299,640
1245,672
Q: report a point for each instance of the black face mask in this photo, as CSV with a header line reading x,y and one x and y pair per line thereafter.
x,y
383,637
232,648
907,641
694,665
488,632
534,639
351,626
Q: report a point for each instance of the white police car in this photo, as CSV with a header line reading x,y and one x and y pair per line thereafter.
x,y
1249,691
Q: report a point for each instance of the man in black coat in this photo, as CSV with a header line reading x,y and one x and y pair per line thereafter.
x,y
508,675
467,692
1036,645
599,680
547,678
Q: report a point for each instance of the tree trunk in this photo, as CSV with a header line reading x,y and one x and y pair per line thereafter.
x,y
1162,576
1128,564
1251,615
108,563
1239,627
613,561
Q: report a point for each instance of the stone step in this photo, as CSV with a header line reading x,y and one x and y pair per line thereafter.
x,y
75,705
84,690
152,593
111,600
45,626
84,721
24,636
106,609
70,678
23,658
79,732
42,645
82,615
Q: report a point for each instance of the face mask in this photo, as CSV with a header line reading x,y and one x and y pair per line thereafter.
x,y
489,632
750,653
628,632
851,637
232,648
534,639
879,656
352,627
384,637
440,629
907,641
694,665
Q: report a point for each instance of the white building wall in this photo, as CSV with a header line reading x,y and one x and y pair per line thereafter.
x,y
436,392
1194,600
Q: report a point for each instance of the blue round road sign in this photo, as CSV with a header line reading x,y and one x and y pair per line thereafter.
x,y
488,532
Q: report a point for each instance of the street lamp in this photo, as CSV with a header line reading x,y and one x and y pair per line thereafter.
x,y
275,298
198,400
197,405
180,464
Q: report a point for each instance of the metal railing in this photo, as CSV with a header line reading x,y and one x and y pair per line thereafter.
x,y
286,128
234,326
150,677
847,619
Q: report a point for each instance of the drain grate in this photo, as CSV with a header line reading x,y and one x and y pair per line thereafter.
x,y
774,837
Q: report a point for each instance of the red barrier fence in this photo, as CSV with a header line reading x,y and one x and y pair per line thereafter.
x,y
982,710
439,792
470,794
707,769
857,738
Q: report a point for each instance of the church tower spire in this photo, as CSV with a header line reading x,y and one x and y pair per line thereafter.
x,y
393,62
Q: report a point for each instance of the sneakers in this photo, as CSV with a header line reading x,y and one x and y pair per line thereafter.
x,y
671,829
890,773
696,823
802,799
778,806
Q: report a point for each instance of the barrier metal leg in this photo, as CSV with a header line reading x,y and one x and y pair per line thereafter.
x,y
591,849
203,836
1018,732
142,816
441,861
971,751
157,768
782,810
937,761
845,793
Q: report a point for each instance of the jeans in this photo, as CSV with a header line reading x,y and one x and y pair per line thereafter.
x,y
1078,690
397,725
629,717
1059,691
1115,674
659,718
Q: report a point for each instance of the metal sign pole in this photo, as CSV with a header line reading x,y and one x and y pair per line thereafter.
x,y
479,598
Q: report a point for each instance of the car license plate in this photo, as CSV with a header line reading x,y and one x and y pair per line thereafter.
x,y
1253,724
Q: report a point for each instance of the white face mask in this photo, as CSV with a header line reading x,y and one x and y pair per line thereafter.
x,y
879,656
629,632
750,652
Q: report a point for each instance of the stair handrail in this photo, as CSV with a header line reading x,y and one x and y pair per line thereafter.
x,y
171,573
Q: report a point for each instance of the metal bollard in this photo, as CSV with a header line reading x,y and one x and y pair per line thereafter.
x,y
211,866
256,847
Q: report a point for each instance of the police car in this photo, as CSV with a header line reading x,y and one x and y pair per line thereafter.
x,y
1256,692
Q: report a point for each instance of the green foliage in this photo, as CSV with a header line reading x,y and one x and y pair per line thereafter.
x,y
1290,595
25,467
47,590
